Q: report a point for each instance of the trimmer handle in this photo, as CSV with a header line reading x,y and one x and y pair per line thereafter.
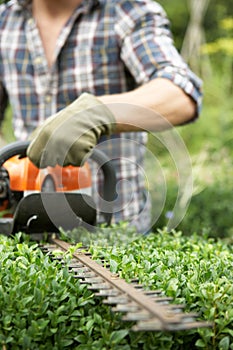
x,y
109,190
13,149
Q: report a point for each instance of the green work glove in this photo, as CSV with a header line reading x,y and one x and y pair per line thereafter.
x,y
68,137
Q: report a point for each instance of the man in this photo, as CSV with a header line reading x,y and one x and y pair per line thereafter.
x,y
114,67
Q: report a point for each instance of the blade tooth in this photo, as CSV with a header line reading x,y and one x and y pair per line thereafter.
x,y
80,270
138,286
51,252
177,308
190,317
161,300
174,313
48,246
107,292
134,280
190,325
172,318
148,325
85,275
153,292
58,258
192,314
91,280
130,307
96,286
137,316
135,283
113,300
83,248
44,249
75,266
74,261
155,325
86,253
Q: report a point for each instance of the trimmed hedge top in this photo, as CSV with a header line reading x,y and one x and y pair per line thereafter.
x,y
43,307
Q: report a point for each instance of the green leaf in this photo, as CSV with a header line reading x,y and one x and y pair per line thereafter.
x,y
228,331
97,318
62,318
113,265
26,342
76,313
89,325
200,343
53,330
66,342
81,338
37,295
117,336
224,343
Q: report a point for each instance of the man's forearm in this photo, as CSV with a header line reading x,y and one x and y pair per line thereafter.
x,y
154,106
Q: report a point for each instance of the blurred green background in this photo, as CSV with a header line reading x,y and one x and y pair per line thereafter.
x,y
203,32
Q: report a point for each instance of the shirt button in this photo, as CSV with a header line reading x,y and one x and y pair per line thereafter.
x,y
38,60
48,98
30,21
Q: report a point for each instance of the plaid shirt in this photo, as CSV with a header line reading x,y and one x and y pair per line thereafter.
x,y
106,47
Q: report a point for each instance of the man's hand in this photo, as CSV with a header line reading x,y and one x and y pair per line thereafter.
x,y
68,137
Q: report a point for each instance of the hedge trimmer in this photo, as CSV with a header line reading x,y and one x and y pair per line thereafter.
x,y
43,200
36,200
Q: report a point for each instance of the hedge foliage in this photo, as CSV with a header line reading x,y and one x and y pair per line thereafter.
x,y
43,307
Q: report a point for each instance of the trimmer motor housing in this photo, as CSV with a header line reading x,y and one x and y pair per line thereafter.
x,y
36,200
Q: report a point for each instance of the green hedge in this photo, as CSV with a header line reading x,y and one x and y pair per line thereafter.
x,y
43,307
